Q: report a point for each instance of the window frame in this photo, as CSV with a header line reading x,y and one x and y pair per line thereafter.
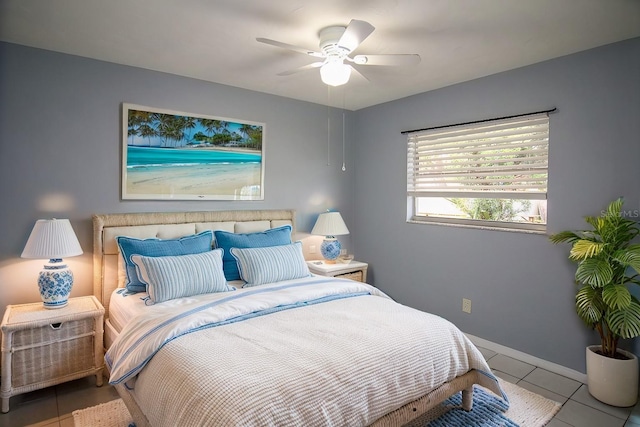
x,y
415,142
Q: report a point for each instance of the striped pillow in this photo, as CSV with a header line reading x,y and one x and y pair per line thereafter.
x,y
128,246
170,277
226,240
259,266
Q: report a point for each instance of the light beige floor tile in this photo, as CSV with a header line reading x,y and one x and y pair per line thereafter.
x,y
488,354
67,422
31,412
557,423
579,415
583,396
43,393
635,414
543,392
510,366
47,423
81,394
506,377
553,382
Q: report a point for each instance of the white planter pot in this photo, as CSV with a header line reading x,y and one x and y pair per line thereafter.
x,y
612,381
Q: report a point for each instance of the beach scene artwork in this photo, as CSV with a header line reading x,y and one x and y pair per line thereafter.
x,y
169,155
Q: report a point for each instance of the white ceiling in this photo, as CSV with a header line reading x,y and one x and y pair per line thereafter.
x,y
214,40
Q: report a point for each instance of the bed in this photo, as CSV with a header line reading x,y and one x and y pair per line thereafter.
x,y
300,350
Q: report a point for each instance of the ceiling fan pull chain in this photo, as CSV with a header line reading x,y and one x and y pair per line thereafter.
x,y
328,125
344,168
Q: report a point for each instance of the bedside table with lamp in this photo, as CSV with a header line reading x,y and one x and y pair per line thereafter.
x,y
331,224
60,339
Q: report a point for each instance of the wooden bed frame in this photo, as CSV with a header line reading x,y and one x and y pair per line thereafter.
x,y
107,226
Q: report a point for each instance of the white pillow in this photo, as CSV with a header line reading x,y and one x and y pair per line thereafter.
x,y
270,264
170,277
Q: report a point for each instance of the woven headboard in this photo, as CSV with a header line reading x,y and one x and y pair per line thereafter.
x,y
106,227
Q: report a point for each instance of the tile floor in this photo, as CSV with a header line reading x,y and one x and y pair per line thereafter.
x,y
52,407
579,409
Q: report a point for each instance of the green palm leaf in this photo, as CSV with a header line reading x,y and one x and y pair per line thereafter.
x,y
629,257
583,249
595,272
564,236
589,305
625,323
596,222
615,207
617,297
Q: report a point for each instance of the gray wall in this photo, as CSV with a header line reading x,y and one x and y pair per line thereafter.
x,y
60,143
521,286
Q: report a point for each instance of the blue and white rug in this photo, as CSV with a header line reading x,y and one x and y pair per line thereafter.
x,y
525,409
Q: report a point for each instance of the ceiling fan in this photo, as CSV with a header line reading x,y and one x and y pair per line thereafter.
x,y
336,44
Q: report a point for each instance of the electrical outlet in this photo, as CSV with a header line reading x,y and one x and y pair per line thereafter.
x,y
312,249
466,305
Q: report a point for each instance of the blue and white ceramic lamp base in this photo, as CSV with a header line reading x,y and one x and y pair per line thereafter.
x,y
330,249
55,282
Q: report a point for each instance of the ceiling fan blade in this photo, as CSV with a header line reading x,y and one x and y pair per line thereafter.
x,y
390,60
356,72
303,68
355,33
290,47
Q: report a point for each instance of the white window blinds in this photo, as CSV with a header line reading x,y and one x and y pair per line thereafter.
x,y
504,158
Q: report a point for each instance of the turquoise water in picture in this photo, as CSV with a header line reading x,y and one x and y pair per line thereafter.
x,y
172,157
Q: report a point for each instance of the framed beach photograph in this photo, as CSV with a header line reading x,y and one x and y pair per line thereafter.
x,y
170,155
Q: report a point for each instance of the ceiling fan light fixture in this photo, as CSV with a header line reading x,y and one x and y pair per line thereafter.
x,y
335,73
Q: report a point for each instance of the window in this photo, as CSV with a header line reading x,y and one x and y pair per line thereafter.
x,y
490,173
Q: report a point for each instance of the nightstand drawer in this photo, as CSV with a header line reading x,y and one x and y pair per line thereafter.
x,y
35,364
52,333
356,275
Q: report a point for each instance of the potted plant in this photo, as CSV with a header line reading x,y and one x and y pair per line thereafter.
x,y
608,264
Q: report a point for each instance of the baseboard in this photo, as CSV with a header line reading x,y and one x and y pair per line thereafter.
x,y
527,358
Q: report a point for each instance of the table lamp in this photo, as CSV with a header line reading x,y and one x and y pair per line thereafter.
x,y
330,225
53,239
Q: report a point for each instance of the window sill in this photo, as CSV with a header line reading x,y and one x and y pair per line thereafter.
x,y
477,227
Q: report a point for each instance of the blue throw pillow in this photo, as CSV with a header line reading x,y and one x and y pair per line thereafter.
x,y
170,277
193,244
259,266
226,240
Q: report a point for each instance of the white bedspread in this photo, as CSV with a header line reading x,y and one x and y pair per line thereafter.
x,y
313,351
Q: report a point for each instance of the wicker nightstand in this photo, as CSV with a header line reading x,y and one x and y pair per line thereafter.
x,y
42,347
355,270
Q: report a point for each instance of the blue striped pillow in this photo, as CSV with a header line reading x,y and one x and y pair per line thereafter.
x,y
226,240
192,244
259,266
170,277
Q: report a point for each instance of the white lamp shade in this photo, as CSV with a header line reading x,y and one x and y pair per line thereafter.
x,y
52,239
330,224
335,73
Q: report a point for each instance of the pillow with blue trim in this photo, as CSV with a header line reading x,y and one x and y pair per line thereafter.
x,y
259,266
170,277
192,244
273,237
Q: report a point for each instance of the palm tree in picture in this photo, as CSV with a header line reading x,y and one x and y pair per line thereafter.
x,y
210,126
188,124
146,131
136,119
252,136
